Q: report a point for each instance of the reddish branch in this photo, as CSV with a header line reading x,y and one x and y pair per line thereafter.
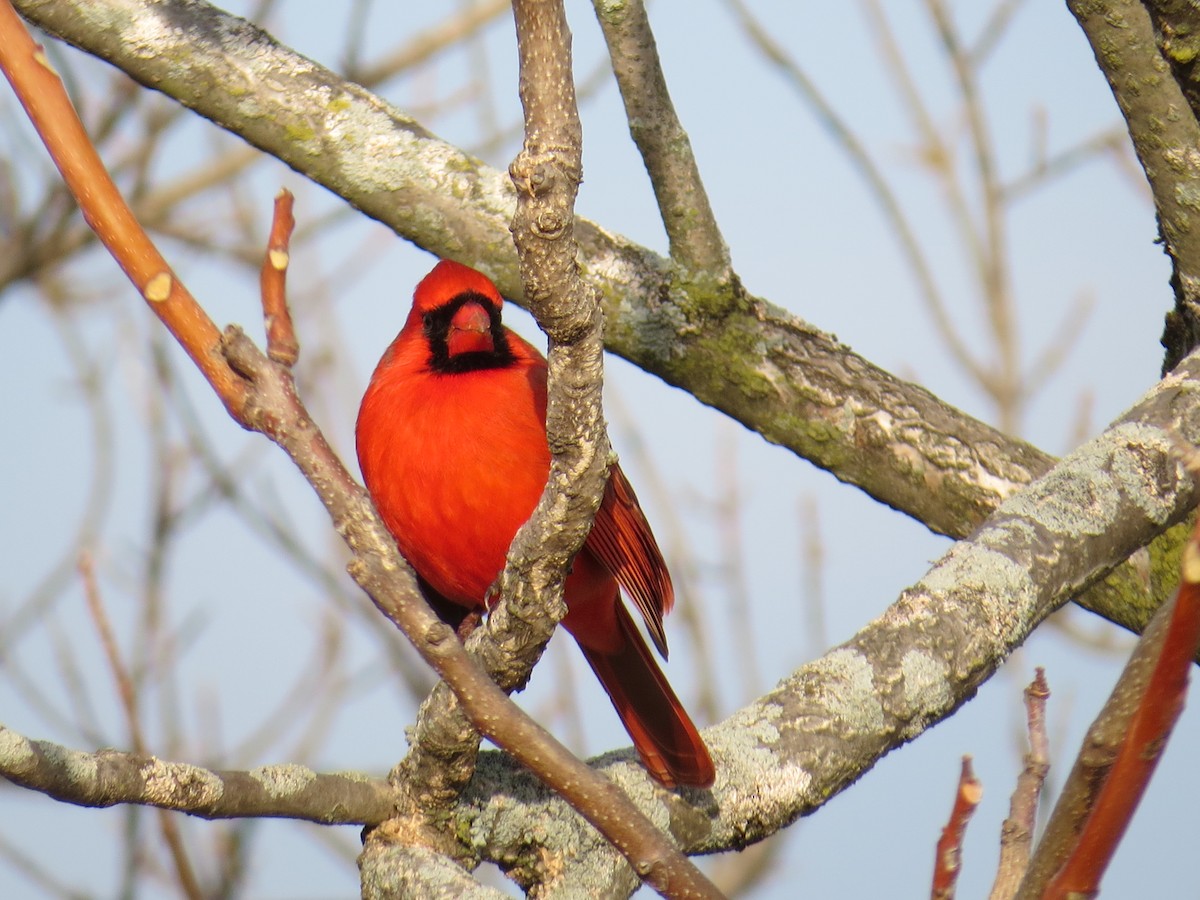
x,y
281,338
1150,728
40,91
948,862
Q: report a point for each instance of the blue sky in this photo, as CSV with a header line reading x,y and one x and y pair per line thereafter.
x,y
803,232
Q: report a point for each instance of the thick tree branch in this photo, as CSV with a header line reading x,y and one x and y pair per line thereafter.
x,y
547,173
1166,137
766,368
776,374
827,723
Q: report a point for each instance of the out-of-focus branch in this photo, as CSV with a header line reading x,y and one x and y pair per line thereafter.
x,y
695,237
1165,134
125,689
422,46
889,203
1003,379
109,777
1016,836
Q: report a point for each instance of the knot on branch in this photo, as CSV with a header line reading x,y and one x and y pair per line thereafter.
x,y
538,173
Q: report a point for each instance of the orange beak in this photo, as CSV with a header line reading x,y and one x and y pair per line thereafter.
x,y
470,330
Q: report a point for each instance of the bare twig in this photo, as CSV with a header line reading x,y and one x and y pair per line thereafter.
x,y
1016,836
1003,380
695,238
948,861
889,204
281,336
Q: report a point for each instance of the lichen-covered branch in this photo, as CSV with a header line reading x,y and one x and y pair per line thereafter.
x,y
826,724
110,777
692,230
1166,136
764,367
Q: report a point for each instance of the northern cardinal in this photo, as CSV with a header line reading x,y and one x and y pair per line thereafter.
x,y
452,445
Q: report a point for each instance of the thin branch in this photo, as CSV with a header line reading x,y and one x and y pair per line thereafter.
x,y
39,90
282,346
110,777
1004,382
128,695
948,860
829,118
425,44
695,237
1016,837
993,30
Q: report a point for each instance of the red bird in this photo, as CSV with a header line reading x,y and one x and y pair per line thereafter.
x,y
452,444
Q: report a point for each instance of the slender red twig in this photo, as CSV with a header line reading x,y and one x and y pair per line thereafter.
x,y
40,91
948,862
1144,742
281,336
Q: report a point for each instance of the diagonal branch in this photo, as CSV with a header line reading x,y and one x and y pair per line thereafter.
x,y
1165,136
695,237
781,377
827,723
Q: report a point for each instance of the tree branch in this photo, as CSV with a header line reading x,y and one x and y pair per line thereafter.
x,y
1165,135
781,377
826,724
266,401
695,237
110,777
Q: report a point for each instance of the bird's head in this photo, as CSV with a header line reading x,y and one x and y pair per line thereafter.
x,y
458,311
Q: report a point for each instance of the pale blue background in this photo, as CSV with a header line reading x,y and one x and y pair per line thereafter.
x,y
804,234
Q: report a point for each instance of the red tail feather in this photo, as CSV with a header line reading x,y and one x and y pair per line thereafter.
x,y
666,739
